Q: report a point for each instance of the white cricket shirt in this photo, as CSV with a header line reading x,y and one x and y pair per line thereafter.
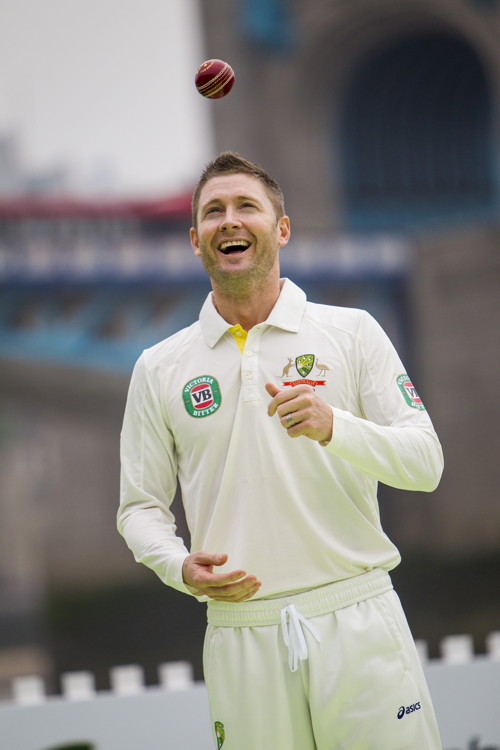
x,y
287,510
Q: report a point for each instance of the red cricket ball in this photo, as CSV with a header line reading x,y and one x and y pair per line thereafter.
x,y
214,79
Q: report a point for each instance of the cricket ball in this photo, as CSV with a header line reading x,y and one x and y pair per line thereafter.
x,y
214,79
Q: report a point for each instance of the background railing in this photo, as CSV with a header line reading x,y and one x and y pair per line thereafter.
x,y
174,714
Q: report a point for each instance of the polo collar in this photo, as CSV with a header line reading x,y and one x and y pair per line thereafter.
x,y
287,314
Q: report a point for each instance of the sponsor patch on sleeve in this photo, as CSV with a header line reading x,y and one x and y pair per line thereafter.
x,y
409,392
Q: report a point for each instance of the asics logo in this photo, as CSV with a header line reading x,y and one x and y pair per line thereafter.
x,y
409,709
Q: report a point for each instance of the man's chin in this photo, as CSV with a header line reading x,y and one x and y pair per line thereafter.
x,y
230,271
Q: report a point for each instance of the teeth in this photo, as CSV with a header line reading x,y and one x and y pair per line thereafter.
x,y
234,243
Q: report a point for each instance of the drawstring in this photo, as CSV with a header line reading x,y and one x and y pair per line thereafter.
x,y
291,626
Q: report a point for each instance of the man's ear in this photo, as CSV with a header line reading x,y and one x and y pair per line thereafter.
x,y
284,230
193,235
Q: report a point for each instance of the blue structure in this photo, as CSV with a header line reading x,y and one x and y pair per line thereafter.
x,y
417,136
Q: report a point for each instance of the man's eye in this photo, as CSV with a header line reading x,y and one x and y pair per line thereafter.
x,y
212,210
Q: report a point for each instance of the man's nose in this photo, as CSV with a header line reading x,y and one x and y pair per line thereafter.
x,y
230,220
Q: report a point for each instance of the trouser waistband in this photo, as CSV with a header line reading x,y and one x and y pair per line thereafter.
x,y
318,601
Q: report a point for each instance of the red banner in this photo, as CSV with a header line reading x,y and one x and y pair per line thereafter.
x,y
314,383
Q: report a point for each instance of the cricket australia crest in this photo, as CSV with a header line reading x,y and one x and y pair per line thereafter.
x,y
220,734
304,364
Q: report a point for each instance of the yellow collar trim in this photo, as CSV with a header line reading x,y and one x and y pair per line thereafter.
x,y
240,336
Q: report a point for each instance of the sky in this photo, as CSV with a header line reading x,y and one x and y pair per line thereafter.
x,y
105,88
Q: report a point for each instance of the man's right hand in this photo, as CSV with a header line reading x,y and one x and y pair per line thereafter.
x,y
197,573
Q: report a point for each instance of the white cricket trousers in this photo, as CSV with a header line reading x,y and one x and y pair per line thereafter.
x,y
334,668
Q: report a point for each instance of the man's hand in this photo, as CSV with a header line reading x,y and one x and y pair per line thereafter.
x,y
197,572
301,412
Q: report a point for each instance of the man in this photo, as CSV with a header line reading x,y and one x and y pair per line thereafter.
x,y
307,647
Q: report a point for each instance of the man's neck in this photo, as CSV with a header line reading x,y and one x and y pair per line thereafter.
x,y
247,309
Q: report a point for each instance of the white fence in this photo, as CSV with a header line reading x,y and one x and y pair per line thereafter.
x,y
173,715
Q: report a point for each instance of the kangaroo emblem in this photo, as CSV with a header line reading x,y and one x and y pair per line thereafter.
x,y
286,369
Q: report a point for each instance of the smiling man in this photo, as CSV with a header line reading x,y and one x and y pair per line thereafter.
x,y
238,232
307,646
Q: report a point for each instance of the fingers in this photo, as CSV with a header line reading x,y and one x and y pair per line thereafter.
x,y
279,396
291,420
234,586
288,400
205,558
273,391
301,412
234,592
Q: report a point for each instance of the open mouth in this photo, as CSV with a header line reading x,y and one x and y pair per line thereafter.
x,y
231,247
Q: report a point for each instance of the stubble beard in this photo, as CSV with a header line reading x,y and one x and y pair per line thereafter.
x,y
240,283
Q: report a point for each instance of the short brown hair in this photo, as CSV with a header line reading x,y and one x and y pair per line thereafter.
x,y
231,163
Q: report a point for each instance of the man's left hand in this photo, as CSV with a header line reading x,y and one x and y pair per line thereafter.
x,y
301,412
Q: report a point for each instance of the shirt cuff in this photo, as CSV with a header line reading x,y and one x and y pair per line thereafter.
x,y
174,576
338,432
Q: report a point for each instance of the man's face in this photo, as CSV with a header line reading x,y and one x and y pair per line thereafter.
x,y
238,235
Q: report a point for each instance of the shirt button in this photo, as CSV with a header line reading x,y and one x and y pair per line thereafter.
x,y
249,354
249,375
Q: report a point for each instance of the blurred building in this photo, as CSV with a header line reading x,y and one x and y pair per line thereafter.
x,y
382,117
381,120
11,177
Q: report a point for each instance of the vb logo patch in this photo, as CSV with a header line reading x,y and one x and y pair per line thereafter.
x,y
409,392
220,734
202,396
